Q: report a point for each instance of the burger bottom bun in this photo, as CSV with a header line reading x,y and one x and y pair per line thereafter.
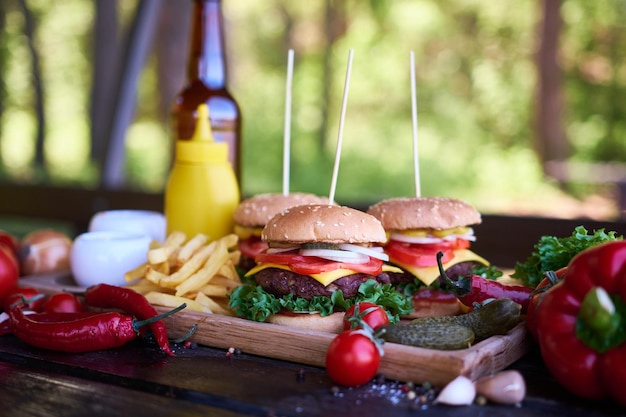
x,y
309,321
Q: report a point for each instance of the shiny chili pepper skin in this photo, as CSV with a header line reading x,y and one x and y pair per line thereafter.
x,y
590,367
482,289
476,289
96,332
5,325
131,302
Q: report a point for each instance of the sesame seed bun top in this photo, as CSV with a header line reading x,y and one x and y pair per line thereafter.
x,y
258,210
323,223
439,213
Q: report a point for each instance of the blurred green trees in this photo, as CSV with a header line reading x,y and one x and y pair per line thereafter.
x,y
476,83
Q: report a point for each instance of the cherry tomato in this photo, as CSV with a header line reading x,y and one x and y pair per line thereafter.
x,y
252,247
370,313
11,241
18,294
352,358
9,271
63,302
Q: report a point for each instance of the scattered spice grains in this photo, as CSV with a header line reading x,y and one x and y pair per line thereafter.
x,y
416,397
300,375
190,345
232,351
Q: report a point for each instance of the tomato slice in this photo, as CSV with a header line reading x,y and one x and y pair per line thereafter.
x,y
419,255
252,246
307,265
314,265
283,258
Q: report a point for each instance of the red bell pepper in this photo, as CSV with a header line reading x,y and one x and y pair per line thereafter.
x,y
549,280
581,324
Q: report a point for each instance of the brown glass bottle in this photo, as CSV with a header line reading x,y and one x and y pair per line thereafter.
x,y
206,83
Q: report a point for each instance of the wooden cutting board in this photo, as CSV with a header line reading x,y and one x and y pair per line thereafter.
x,y
402,363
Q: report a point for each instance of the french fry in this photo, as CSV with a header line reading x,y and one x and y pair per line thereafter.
x,y
163,267
154,276
228,270
235,256
172,301
226,282
172,243
136,273
190,248
230,241
144,286
204,275
210,304
189,268
197,272
212,290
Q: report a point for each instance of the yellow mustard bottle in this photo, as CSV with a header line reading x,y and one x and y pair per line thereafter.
x,y
202,190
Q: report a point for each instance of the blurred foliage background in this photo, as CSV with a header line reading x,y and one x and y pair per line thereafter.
x,y
476,79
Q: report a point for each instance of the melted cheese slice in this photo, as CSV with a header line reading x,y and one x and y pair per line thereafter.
x,y
245,232
324,278
429,274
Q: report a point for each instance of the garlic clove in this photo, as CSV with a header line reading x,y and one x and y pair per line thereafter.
x,y
459,391
506,387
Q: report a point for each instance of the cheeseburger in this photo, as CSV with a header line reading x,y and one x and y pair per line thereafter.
x,y
420,227
320,260
253,213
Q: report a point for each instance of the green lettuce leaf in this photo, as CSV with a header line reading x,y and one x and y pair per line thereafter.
x,y
252,302
552,253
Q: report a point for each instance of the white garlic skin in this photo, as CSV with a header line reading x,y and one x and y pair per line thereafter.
x,y
506,387
459,391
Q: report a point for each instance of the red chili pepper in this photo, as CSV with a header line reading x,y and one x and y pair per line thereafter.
x,y
84,334
582,324
5,325
476,289
131,302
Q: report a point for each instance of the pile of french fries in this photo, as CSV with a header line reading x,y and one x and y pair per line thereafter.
x,y
198,272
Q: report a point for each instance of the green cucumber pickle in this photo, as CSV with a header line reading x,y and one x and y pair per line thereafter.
x,y
456,332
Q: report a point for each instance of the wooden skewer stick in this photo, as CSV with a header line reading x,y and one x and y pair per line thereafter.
x,y
416,168
287,128
333,185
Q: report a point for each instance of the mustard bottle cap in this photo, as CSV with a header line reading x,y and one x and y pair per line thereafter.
x,y
202,147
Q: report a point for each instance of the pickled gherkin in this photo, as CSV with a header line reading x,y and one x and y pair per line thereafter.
x,y
493,318
433,336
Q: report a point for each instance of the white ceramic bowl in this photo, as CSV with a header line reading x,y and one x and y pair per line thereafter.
x,y
145,222
104,257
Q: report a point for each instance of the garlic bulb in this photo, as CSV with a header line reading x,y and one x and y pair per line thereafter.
x,y
459,391
506,387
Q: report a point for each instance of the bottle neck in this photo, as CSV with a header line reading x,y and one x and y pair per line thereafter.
x,y
207,58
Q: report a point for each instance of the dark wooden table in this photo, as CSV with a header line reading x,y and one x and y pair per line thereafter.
x,y
138,380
